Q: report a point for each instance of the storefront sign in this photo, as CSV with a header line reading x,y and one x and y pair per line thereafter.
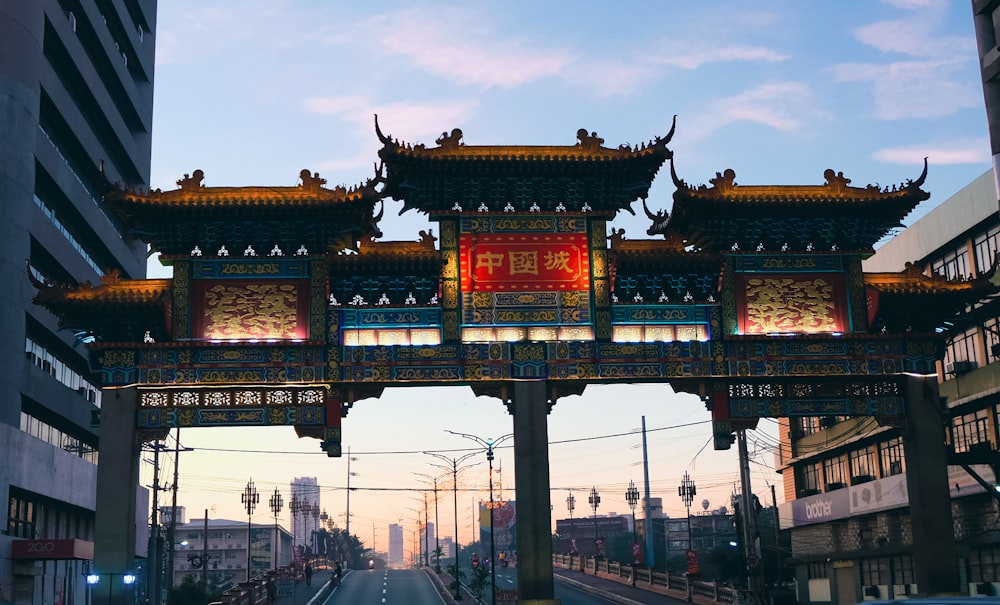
x,y
52,549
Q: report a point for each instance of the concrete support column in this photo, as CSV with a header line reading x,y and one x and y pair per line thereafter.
x,y
117,479
935,558
536,584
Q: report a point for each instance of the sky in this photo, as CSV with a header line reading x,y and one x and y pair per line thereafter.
x,y
251,92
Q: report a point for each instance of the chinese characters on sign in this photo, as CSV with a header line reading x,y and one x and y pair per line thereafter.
x,y
243,310
788,303
524,262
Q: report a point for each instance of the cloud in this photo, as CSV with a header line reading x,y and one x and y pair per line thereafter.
x,y
783,106
477,58
928,80
689,59
961,151
913,89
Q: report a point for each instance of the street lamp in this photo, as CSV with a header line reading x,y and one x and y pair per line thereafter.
x,y
437,541
294,506
250,499
632,497
686,491
570,505
489,444
315,516
454,477
275,504
595,501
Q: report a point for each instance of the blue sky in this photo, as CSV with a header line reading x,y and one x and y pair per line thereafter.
x,y
252,92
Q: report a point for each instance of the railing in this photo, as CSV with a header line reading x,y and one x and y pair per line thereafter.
x,y
645,578
254,592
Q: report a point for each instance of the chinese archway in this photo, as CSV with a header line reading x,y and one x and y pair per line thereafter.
x,y
285,308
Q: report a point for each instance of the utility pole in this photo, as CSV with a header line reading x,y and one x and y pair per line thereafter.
x,y
204,555
749,521
347,521
155,565
172,528
650,560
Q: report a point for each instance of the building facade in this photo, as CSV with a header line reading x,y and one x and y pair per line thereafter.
x,y
846,500
76,96
396,556
221,560
305,511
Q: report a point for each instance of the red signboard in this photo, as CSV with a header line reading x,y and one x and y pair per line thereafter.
x,y
694,568
52,549
791,303
524,262
236,309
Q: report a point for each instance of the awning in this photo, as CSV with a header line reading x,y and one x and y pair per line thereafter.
x,y
70,548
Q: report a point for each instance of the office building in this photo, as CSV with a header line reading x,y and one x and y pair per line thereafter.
x,y
76,99
304,510
846,500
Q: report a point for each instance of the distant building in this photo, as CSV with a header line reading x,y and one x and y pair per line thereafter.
x,y
396,556
305,491
226,551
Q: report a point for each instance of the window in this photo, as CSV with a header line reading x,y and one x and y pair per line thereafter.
x,y
817,571
863,464
833,469
20,517
893,461
962,347
810,476
53,436
875,571
969,430
954,264
983,565
985,247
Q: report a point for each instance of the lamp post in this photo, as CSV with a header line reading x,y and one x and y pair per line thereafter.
x,y
324,521
315,516
595,501
632,497
570,505
250,499
347,513
437,541
454,477
489,445
686,491
294,506
275,504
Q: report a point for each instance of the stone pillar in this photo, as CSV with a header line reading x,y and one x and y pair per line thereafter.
x,y
534,509
117,480
935,557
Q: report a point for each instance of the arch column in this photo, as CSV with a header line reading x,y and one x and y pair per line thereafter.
x,y
530,408
117,479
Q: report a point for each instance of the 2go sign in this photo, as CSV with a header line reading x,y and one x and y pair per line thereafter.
x,y
52,549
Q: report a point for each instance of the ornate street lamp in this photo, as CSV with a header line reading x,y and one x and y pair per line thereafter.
x,y
632,497
250,499
595,501
275,504
437,541
686,491
570,505
315,516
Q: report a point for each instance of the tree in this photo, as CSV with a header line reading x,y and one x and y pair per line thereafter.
x,y
438,553
480,581
192,592
456,574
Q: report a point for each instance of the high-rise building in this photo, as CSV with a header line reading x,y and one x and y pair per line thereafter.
x,y
396,557
305,491
76,101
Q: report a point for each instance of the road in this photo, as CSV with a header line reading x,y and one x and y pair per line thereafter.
x,y
385,587
413,587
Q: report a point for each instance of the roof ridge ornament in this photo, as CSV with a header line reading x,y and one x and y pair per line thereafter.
x,y
589,142
450,141
311,183
192,182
